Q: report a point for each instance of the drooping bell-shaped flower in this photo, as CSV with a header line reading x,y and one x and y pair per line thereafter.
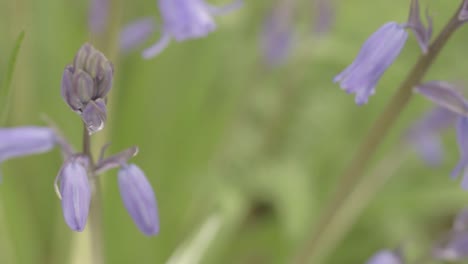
x,y
139,199
277,35
23,141
186,19
424,134
75,191
85,85
375,56
386,257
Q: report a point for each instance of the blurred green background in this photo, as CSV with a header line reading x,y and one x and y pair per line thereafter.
x,y
242,156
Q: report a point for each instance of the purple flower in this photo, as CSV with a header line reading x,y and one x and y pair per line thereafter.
x,y
186,19
386,257
424,134
135,33
454,248
276,40
139,199
98,14
375,56
22,141
75,191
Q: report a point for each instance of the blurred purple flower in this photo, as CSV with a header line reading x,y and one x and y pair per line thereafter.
x,y
424,134
454,248
23,141
460,224
139,199
277,35
98,15
386,257
75,191
135,33
462,139
186,19
375,56
324,16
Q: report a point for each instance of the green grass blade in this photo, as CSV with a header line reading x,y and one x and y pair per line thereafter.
x,y
6,85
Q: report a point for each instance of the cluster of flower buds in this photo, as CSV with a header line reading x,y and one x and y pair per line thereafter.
x,y
85,85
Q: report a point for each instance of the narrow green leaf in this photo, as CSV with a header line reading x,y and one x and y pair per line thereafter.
x,y
6,85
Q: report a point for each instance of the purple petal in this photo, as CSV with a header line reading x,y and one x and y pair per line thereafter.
x,y
224,9
462,140
423,35
463,15
424,134
324,17
375,56
94,116
277,35
135,33
139,199
461,221
444,94
386,257
75,191
98,14
23,141
454,249
158,47
186,19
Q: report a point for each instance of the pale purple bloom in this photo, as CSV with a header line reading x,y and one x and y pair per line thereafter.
x,y
386,257
277,35
423,35
375,56
463,15
186,19
445,95
324,16
135,33
454,248
98,15
75,191
424,134
23,141
139,199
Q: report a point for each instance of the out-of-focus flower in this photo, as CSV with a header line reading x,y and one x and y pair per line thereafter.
x,y
375,56
446,95
454,248
424,134
98,15
135,33
386,257
186,19
324,16
460,224
139,199
277,34
75,191
85,85
23,141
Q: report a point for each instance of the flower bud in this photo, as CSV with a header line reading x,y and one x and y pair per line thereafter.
x,y
85,85
94,115
75,192
138,197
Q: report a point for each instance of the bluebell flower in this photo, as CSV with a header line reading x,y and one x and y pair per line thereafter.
x,y
424,134
23,141
446,95
386,257
277,34
75,191
139,199
186,19
375,56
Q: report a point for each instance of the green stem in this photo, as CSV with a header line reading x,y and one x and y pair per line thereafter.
x,y
372,141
